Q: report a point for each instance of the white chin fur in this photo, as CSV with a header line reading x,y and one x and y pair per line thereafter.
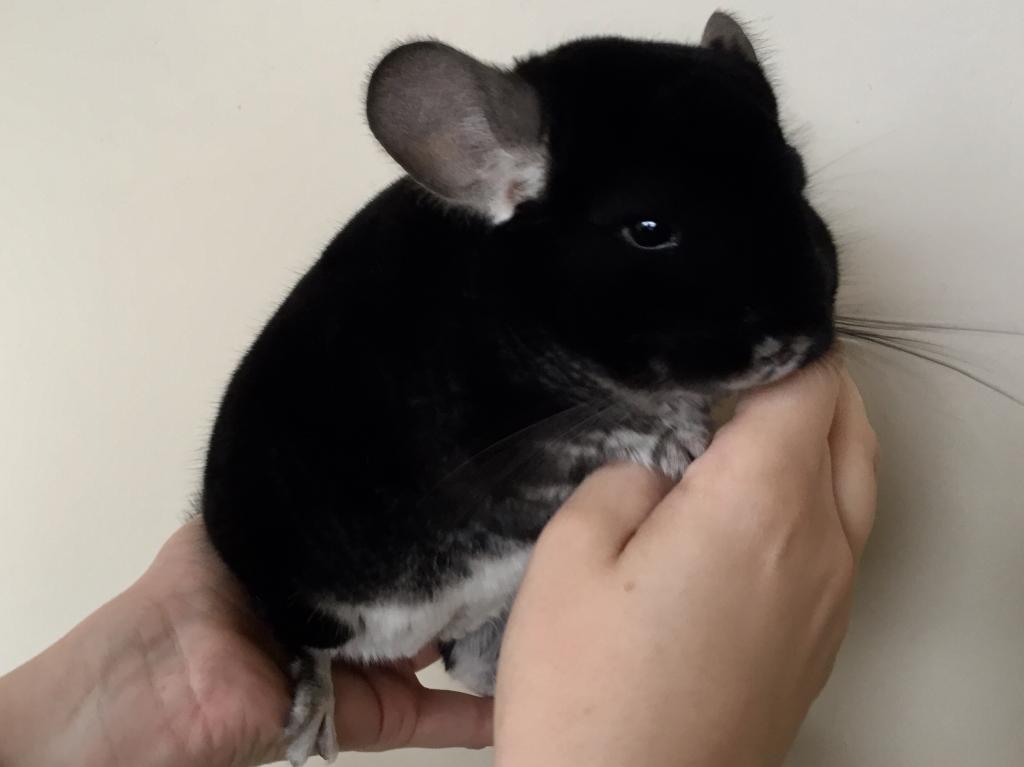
x,y
772,359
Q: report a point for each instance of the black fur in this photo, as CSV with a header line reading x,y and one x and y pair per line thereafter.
x,y
424,335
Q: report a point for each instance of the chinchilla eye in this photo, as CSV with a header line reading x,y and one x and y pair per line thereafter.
x,y
649,234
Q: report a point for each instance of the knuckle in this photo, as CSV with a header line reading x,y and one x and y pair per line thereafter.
x,y
567,524
565,535
398,723
694,481
873,447
839,570
863,461
796,547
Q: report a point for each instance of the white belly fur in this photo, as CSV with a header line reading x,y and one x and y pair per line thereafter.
x,y
394,629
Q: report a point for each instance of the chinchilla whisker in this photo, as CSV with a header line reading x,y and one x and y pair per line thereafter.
x,y
889,344
903,343
587,413
895,338
848,153
916,325
906,339
522,465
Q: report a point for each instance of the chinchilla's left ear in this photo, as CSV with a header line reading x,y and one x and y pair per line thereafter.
x,y
725,33
467,131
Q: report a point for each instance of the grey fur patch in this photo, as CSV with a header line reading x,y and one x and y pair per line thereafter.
x,y
473,660
310,729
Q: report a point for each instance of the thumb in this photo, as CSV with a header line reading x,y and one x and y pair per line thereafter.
x,y
604,512
378,709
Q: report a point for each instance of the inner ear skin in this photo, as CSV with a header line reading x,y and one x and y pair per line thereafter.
x,y
467,131
725,33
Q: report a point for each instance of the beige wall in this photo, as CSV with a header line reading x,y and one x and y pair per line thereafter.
x,y
167,169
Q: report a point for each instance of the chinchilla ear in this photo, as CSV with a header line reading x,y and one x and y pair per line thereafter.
x,y
725,33
467,131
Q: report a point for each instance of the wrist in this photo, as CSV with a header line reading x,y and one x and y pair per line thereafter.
x,y
69,705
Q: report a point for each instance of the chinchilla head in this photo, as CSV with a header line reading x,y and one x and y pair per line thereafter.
x,y
643,209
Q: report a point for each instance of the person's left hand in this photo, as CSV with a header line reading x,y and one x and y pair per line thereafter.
x,y
178,671
223,681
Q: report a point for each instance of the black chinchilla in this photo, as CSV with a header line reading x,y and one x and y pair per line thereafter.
x,y
586,251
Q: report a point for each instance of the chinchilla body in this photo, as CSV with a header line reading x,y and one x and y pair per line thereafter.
x,y
588,248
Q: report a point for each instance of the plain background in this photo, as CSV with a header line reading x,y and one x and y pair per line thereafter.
x,y
168,169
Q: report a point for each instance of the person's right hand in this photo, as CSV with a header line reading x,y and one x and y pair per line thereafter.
x,y
695,625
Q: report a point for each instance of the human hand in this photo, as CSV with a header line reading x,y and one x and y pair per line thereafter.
x,y
695,625
177,671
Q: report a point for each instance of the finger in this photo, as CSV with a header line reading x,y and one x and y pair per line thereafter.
x,y
854,449
764,459
781,426
601,515
377,709
426,656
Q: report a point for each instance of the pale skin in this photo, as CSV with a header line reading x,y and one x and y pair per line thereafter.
x,y
694,625
657,625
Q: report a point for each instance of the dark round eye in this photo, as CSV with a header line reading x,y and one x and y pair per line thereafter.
x,y
649,234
